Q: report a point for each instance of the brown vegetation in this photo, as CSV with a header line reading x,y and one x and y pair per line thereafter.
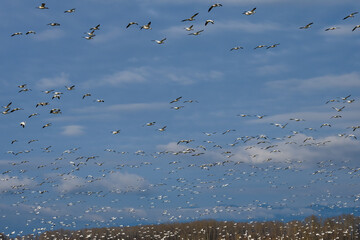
x,y
341,227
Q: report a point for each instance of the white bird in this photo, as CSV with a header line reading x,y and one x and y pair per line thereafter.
x,y
159,41
351,15
357,26
209,21
70,88
250,12
196,33
54,24
214,5
325,124
192,18
86,95
97,27
306,26
162,129
46,125
260,46
236,48
115,132
70,10
146,26
30,32
42,6
15,34
331,28
131,23
23,124
189,28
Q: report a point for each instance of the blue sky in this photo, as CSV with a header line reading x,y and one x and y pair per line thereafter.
x,y
141,175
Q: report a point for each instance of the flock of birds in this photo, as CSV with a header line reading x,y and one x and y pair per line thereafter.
x,y
238,158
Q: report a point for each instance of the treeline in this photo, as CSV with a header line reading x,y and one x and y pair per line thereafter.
x,y
312,228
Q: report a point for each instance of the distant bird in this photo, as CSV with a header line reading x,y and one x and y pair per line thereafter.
x,y
91,33
46,125
357,26
99,100
16,34
48,91
8,105
131,23
274,45
297,119
23,124
54,24
149,124
30,32
177,108
351,15
97,27
86,95
89,37
338,109
115,132
22,86
236,48
306,26
214,5
189,28
192,18
331,28
55,111
70,10
344,98
42,6
196,33
325,124
260,46
32,115
250,12
146,26
24,90
70,88
159,41
175,100
209,21
162,129
42,104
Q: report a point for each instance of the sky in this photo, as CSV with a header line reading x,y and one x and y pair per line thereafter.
x,y
206,132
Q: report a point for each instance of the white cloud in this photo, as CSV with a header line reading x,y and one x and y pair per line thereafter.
x,y
349,80
335,148
49,34
57,81
124,182
73,130
13,183
144,74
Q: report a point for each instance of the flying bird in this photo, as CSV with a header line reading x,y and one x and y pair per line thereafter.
x,y
131,23
97,27
192,18
250,12
357,26
189,28
53,24
16,34
214,5
159,41
196,33
236,48
70,10
209,21
30,32
176,100
42,6
146,26
306,26
351,15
